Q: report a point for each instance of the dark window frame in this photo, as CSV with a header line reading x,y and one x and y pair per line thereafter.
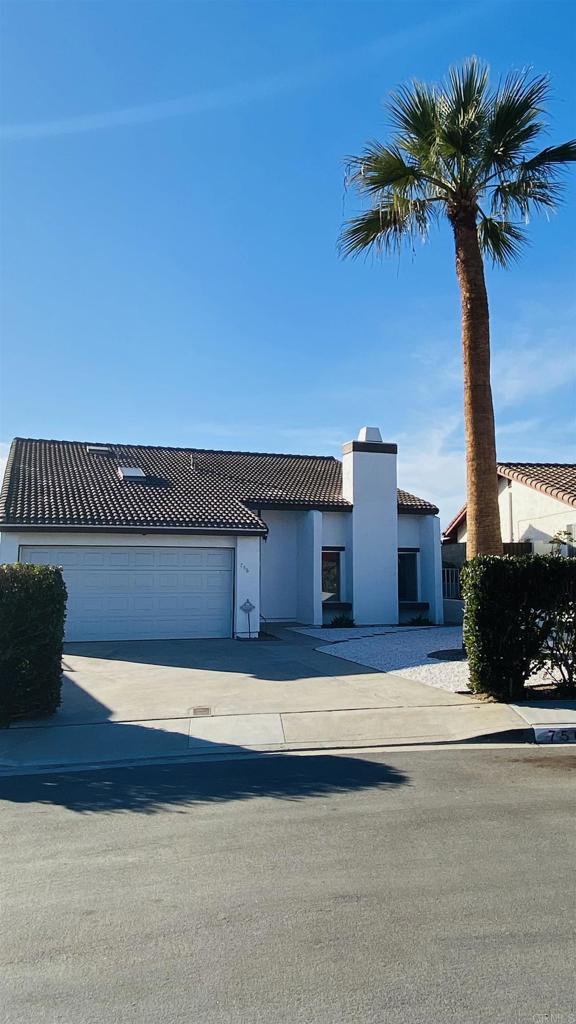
x,y
335,597
405,596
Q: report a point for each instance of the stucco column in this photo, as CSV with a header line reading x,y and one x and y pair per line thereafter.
x,y
310,569
247,587
369,482
431,568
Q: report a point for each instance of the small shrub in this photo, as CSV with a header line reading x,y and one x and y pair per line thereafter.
x,y
32,613
519,615
342,622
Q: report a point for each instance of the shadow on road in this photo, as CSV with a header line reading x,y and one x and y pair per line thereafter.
x,y
151,788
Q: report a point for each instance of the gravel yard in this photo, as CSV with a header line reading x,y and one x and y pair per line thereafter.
x,y
404,651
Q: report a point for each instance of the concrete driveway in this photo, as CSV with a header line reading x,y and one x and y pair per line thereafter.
x,y
131,681
130,701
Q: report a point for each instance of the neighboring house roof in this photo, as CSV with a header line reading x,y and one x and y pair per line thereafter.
x,y
62,484
558,479
451,531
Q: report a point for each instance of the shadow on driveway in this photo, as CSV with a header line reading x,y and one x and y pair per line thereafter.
x,y
153,788
273,661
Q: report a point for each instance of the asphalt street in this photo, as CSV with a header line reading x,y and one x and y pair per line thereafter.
x,y
421,887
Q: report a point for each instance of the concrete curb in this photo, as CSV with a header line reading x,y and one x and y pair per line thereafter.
x,y
232,737
551,721
510,737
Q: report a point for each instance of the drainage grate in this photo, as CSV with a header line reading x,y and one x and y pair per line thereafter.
x,y
201,712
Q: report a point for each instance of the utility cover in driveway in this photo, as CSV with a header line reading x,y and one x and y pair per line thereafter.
x,y
143,593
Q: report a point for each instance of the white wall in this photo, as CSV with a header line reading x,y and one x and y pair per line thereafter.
x,y
462,533
309,610
423,533
291,567
247,586
247,573
279,582
369,482
431,567
335,529
409,531
337,533
527,514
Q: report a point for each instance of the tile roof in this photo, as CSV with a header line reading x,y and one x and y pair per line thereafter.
x,y
558,479
410,503
62,484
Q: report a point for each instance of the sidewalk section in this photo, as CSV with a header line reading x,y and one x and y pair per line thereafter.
x,y
107,743
552,721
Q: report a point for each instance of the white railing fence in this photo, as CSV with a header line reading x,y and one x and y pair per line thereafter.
x,y
451,584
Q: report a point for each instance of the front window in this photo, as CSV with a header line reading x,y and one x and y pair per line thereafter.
x,y
331,576
407,575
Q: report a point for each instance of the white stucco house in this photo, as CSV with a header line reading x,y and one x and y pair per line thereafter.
x,y
537,500
160,542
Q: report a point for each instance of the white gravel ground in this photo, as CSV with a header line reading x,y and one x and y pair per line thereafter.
x,y
405,652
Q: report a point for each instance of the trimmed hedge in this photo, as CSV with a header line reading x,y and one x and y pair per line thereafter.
x,y
32,613
519,615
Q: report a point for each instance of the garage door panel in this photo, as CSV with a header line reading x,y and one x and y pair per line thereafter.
x,y
127,593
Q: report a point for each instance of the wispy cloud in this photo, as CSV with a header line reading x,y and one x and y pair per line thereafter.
x,y
431,463
538,358
241,93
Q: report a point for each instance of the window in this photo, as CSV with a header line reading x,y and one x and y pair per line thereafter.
x,y
131,473
331,576
97,449
408,575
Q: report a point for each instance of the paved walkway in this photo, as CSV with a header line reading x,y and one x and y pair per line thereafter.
x,y
157,700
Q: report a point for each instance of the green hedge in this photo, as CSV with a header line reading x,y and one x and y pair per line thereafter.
x,y
32,613
519,615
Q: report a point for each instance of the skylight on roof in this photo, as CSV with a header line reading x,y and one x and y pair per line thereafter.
x,y
131,473
97,449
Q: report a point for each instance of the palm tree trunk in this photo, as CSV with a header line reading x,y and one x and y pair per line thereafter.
x,y
482,514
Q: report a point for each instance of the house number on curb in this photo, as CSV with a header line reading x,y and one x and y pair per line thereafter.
x,y
558,735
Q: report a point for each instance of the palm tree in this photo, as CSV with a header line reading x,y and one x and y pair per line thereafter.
x,y
463,151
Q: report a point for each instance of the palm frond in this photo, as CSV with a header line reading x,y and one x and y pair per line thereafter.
x,y
553,155
515,118
464,107
455,148
380,167
524,193
414,112
501,240
386,226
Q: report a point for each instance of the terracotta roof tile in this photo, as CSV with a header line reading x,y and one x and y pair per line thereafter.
x,y
558,479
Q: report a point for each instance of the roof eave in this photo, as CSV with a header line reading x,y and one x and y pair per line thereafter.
x,y
549,489
406,510
302,506
253,531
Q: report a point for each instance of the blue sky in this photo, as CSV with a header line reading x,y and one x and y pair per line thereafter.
x,y
172,191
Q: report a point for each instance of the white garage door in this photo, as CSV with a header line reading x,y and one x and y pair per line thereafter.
x,y
143,593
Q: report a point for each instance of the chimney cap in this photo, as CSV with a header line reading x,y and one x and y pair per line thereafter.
x,y
370,435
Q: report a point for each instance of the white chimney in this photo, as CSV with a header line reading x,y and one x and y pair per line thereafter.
x,y
369,482
371,434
